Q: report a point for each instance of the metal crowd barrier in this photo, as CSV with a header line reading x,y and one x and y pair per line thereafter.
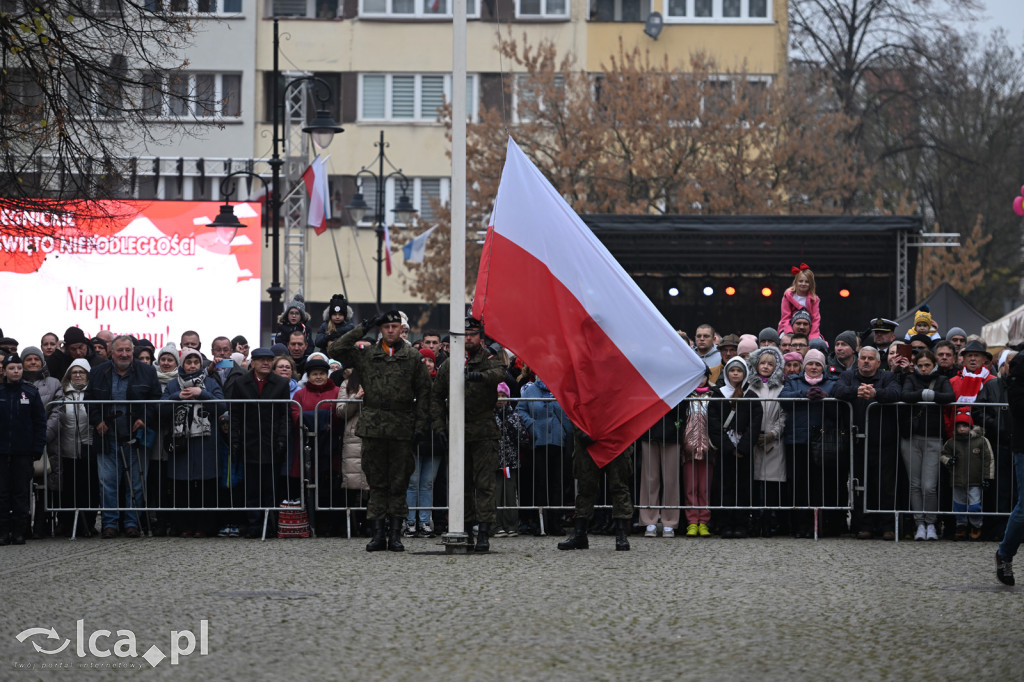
x,y
181,468
900,455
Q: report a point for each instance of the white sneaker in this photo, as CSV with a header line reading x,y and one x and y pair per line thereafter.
x,y
930,532
668,532
920,535
651,532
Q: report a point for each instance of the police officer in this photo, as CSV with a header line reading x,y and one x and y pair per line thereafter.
x,y
588,481
395,414
483,372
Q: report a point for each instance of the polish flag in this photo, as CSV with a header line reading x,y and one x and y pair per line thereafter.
x,y
550,292
315,178
387,249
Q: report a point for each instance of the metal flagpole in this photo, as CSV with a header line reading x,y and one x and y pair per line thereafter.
x,y
455,540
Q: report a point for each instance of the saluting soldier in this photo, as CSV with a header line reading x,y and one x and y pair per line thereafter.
x,y
483,372
396,386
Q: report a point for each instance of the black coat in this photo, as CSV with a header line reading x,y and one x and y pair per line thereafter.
x,y
142,385
887,390
22,420
994,419
738,415
259,429
924,420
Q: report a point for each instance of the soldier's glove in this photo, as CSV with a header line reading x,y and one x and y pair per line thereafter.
x,y
987,483
377,321
951,462
474,376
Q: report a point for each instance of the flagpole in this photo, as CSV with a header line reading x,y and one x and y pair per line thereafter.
x,y
455,540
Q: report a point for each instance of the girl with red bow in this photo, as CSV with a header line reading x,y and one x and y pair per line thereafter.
x,y
801,296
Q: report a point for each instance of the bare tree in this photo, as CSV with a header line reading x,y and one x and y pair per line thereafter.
x,y
84,82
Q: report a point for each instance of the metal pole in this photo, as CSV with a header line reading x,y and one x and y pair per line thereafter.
x,y
275,289
379,217
456,535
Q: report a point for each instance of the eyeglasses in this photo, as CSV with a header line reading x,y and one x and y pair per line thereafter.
x,y
799,345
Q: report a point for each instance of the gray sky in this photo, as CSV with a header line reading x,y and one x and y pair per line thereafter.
x,y
1008,14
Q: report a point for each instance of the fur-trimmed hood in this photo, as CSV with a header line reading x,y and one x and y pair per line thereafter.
x,y
776,380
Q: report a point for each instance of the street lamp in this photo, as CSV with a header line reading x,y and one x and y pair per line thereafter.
x,y
403,210
322,130
226,218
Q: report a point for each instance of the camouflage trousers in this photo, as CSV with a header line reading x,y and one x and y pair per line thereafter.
x,y
588,482
388,465
481,463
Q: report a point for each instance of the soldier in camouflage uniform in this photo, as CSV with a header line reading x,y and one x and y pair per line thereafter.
x,y
588,481
483,373
394,415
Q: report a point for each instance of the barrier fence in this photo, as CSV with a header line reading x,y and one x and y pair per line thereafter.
x,y
759,467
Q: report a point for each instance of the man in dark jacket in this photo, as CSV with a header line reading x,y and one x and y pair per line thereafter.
x,y
991,413
122,429
483,373
395,414
259,433
22,439
76,345
1015,524
862,387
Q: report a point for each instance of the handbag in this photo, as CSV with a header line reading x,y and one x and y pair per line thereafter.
x,y
695,437
828,445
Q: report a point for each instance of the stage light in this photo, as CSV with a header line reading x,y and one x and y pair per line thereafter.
x,y
844,293
730,291
708,291
766,292
673,291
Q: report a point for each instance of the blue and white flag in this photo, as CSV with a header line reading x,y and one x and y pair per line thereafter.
x,y
416,249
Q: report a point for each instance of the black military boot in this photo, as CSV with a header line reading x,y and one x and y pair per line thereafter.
x,y
470,539
483,543
622,536
395,536
578,540
377,543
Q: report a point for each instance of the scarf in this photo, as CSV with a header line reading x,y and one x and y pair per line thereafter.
x,y
165,377
814,381
194,379
970,385
728,390
387,349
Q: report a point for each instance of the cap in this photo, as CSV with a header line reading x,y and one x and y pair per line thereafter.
x,y
881,324
262,353
976,347
317,363
729,340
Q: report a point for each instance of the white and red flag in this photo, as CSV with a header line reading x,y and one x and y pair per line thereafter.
x,y
551,293
315,177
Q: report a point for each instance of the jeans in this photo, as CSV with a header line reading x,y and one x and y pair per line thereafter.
x,y
967,500
421,487
921,460
1015,524
110,465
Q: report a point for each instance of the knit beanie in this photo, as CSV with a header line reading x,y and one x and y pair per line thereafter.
x,y
815,356
849,338
169,349
747,344
955,331
793,355
922,316
32,350
768,334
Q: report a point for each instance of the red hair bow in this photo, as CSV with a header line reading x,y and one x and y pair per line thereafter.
x,y
803,266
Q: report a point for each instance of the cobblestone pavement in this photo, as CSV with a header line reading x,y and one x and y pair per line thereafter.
x,y
706,609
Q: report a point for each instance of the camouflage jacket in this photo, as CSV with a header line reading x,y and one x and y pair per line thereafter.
x,y
396,386
481,396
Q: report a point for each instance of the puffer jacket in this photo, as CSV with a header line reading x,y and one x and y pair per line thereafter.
x,y
73,417
546,420
50,392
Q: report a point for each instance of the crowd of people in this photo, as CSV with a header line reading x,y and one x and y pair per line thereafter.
x,y
785,423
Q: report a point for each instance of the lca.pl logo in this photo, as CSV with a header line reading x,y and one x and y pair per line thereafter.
x,y
182,643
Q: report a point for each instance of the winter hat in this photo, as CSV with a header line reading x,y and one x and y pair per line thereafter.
x,y
801,314
185,352
279,349
793,355
955,331
317,363
338,304
923,314
32,350
12,358
814,355
262,353
768,334
427,353
849,338
74,335
79,362
737,362
503,389
317,354
299,303
923,338
169,349
819,344
729,340
747,344
963,418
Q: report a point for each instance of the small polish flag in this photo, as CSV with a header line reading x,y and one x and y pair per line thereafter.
x,y
591,332
315,178
387,249
507,471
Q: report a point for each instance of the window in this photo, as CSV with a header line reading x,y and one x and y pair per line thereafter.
x,y
410,97
620,10
419,190
191,6
542,9
313,91
310,9
525,95
716,10
414,9
720,93
199,95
